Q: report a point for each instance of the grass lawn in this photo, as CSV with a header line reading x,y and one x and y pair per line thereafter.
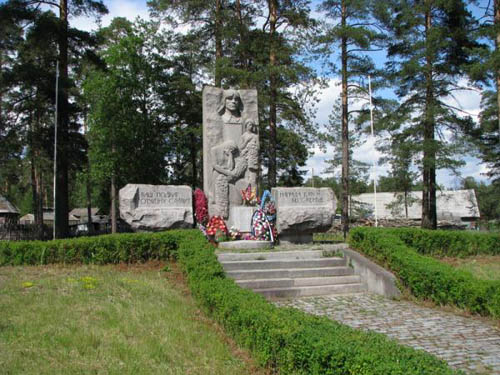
x,y
483,267
108,320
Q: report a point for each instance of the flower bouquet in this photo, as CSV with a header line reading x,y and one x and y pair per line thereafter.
x,y
249,196
216,229
234,234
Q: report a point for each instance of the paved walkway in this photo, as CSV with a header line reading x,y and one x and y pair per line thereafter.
x,y
464,343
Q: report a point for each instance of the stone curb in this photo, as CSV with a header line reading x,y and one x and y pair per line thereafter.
x,y
375,278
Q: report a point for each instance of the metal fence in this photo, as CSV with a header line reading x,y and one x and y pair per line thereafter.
x,y
22,232
29,232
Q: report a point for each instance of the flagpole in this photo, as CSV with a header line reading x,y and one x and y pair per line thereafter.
x,y
374,160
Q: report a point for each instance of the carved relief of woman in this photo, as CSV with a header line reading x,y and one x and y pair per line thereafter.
x,y
231,107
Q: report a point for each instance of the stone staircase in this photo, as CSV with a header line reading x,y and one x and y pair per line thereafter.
x,y
287,274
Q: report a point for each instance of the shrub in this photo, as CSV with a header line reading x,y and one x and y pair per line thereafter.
x,y
113,248
290,340
287,340
449,243
425,277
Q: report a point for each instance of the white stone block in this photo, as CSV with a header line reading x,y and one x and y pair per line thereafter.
x,y
156,207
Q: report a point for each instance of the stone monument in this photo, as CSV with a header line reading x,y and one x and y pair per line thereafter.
x,y
303,211
156,207
230,151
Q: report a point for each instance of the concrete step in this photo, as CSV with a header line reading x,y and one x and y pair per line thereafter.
x,y
295,254
289,273
305,291
303,281
282,264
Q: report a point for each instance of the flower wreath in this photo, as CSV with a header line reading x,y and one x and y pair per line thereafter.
x,y
262,220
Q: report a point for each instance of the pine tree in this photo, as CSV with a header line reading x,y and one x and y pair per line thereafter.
x,y
427,53
486,136
350,26
207,20
485,71
265,58
358,170
71,43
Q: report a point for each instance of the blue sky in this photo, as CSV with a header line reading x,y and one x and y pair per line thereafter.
x,y
468,100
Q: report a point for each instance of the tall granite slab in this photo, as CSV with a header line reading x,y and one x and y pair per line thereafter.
x,y
230,146
302,211
156,207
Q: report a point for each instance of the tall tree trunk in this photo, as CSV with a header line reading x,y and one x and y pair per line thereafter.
x,y
34,196
62,204
273,95
497,44
429,216
90,226
36,191
39,193
38,181
218,42
406,203
113,204
193,152
37,196
345,128
1,91
242,43
113,190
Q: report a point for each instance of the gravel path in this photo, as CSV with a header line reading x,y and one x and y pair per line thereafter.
x,y
466,343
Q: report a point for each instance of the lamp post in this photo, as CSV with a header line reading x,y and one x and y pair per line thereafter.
x,y
55,149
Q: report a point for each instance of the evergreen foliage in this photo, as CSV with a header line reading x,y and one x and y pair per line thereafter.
x,y
134,90
427,49
349,26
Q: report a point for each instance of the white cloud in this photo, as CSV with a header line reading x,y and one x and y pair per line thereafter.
x,y
366,152
327,98
130,9
467,100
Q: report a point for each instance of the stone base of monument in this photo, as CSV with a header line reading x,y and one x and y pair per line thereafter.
x,y
240,217
295,238
303,211
245,245
156,207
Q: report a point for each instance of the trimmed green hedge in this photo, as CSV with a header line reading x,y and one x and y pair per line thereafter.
x,y
287,340
448,243
428,278
113,248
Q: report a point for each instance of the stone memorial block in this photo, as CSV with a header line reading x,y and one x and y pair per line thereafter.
x,y
230,146
302,211
156,207
240,217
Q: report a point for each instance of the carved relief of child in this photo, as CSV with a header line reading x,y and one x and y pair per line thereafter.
x,y
223,157
249,149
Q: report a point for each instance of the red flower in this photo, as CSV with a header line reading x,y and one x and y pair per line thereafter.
x,y
200,206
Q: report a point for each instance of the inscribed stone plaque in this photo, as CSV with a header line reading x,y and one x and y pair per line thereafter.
x,y
156,207
230,146
304,210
